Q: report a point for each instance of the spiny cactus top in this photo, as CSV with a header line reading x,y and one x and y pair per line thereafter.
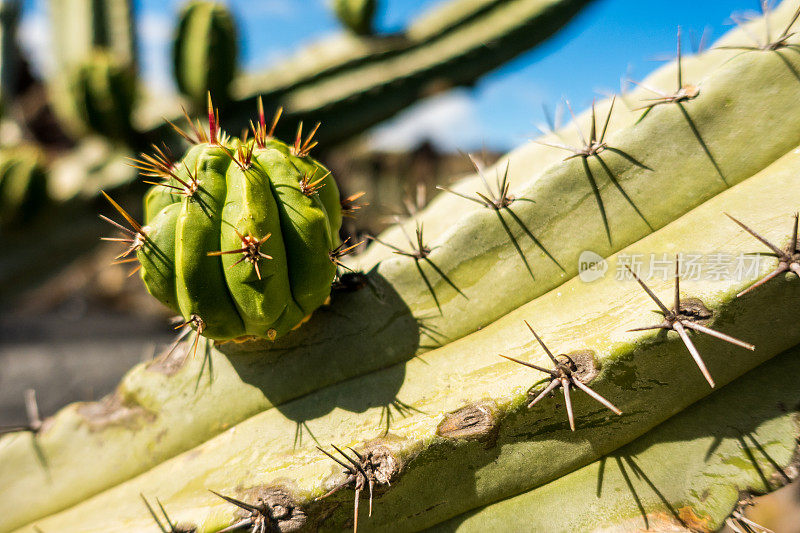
x,y
241,235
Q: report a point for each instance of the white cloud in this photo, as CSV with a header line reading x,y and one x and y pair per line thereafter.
x,y
34,38
449,120
155,40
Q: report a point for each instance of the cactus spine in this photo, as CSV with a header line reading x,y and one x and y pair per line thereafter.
x,y
205,51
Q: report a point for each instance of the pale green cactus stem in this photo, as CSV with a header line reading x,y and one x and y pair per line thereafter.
x,y
533,159
463,436
536,157
670,478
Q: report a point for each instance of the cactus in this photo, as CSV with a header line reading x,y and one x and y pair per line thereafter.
x,y
241,236
98,96
356,15
205,51
23,184
79,27
345,83
404,367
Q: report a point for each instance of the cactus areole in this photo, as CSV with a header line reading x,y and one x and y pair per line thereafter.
x,y
240,236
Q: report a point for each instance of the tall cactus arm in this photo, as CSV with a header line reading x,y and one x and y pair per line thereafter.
x,y
688,474
367,82
448,469
534,158
81,26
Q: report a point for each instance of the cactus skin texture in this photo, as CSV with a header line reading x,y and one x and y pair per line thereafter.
x,y
23,184
743,433
98,96
356,15
205,51
245,249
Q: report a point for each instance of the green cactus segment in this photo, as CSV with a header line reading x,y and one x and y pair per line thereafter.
x,y
205,51
447,470
305,224
157,256
23,184
251,210
200,280
356,15
98,97
224,289
686,474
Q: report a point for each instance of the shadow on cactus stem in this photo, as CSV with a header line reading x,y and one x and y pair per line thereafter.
x,y
501,201
420,252
684,93
368,325
591,147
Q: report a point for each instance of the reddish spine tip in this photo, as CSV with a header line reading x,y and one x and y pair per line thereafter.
x,y
262,121
212,121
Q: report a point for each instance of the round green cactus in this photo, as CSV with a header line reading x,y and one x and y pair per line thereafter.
x,y
241,236
205,43
356,15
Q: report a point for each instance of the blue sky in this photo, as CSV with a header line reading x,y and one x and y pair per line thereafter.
x,y
609,40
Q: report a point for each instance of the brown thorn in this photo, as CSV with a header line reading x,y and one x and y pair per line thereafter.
x,y
355,510
719,335
762,281
547,351
678,327
649,292
135,225
585,388
568,401
752,232
530,365
552,385
275,120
